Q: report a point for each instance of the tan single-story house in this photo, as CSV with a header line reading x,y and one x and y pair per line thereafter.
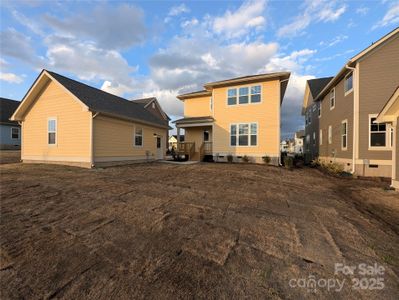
x,y
390,114
64,121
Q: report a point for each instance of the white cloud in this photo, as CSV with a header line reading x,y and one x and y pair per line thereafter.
x,y
338,39
27,22
391,17
314,11
17,45
11,78
110,27
189,23
116,88
178,10
89,63
362,10
237,23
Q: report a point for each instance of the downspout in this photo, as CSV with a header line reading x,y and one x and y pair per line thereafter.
x,y
279,117
355,114
21,135
92,140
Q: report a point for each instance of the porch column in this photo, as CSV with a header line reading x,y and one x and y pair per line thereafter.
x,y
178,134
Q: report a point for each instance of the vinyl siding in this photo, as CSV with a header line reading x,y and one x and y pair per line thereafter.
x,y
6,142
343,111
73,127
397,149
196,134
312,151
379,77
197,107
114,138
266,114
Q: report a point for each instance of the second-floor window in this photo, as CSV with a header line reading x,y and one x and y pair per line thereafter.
x,y
245,134
321,137
332,98
244,95
330,134
348,84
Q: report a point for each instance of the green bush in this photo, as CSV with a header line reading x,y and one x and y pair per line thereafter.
x,y
245,159
266,159
229,158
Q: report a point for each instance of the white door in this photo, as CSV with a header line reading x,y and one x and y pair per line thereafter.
x,y
159,147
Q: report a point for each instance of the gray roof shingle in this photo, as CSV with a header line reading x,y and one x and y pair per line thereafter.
x,y
317,85
7,108
103,102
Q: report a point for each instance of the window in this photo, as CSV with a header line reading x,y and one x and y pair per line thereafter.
x,y
306,118
329,134
255,94
378,133
247,134
307,139
153,105
332,98
233,135
321,137
52,131
211,103
138,137
348,84
314,138
243,96
344,135
254,134
314,107
232,96
15,133
206,136
319,110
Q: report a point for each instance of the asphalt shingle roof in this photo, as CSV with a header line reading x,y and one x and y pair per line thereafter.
x,y
103,102
7,108
317,85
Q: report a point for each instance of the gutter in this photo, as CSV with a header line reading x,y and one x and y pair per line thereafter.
x,y
355,113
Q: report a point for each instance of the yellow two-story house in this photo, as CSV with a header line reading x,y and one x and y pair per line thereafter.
x,y
234,118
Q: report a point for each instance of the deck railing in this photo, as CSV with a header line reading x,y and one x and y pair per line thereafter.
x,y
207,147
186,148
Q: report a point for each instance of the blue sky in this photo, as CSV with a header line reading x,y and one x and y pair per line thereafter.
x,y
163,48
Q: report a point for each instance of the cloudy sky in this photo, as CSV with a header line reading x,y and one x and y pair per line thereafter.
x,y
163,48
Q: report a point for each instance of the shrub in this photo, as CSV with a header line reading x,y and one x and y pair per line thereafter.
x,y
331,167
289,162
266,159
245,159
229,158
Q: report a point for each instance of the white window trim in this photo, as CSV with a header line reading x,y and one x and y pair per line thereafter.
x,y
19,133
387,136
319,110
351,90
330,135
56,131
249,134
332,107
142,137
237,88
346,135
321,137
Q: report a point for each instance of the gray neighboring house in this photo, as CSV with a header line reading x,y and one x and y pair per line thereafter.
x,y
10,131
343,126
311,111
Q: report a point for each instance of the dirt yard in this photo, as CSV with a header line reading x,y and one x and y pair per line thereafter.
x,y
10,156
183,231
